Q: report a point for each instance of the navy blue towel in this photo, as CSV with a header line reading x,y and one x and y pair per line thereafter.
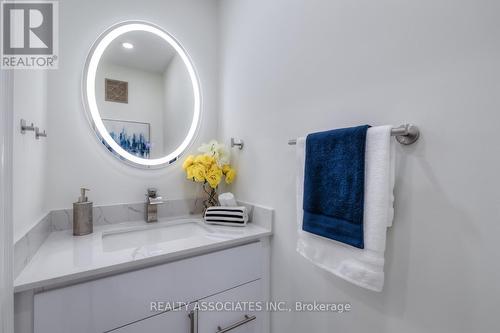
x,y
334,180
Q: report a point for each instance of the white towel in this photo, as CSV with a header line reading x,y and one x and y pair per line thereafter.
x,y
363,267
227,200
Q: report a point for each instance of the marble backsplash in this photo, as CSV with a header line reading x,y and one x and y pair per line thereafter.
x,y
63,219
26,246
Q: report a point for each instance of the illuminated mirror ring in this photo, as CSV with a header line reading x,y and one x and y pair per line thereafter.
x,y
90,101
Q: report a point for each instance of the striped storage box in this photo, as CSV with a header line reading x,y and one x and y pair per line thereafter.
x,y
234,216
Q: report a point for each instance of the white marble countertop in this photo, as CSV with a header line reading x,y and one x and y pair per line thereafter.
x,y
64,259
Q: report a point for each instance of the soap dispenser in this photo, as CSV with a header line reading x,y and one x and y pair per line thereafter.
x,y
82,215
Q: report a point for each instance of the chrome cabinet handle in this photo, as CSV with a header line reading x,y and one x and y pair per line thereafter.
x,y
238,324
193,321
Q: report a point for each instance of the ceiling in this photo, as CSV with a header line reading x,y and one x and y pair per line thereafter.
x,y
150,53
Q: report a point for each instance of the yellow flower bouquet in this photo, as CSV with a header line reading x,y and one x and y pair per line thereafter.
x,y
210,168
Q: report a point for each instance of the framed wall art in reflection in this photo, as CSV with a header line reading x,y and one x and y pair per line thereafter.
x,y
116,91
132,136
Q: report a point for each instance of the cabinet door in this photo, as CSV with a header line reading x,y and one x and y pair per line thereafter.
x,y
171,322
240,314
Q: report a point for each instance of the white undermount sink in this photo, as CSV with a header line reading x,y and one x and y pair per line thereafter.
x,y
154,233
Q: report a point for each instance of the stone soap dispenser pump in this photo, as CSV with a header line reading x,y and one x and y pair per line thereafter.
x,y
82,215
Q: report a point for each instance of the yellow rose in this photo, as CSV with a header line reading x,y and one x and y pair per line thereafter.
x,y
189,172
226,168
198,172
206,160
214,176
230,175
188,162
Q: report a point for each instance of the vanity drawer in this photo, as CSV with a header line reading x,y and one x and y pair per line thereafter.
x,y
233,310
242,312
110,302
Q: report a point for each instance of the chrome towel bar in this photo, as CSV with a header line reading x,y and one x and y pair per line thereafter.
x,y
405,134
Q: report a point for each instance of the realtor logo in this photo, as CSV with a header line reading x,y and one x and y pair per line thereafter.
x,y
29,34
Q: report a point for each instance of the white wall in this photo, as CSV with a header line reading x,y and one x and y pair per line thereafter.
x,y
29,155
6,225
290,67
75,157
179,103
145,100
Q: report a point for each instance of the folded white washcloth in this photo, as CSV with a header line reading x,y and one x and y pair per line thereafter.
x,y
227,200
363,267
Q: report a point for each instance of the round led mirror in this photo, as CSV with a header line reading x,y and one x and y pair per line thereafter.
x,y
142,94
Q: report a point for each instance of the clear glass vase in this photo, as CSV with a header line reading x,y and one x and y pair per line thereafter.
x,y
211,198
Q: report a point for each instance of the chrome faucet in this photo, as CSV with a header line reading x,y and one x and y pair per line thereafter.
x,y
152,202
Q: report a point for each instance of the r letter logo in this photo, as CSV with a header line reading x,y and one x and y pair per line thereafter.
x,y
29,34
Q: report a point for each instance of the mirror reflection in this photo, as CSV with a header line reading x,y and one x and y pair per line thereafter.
x,y
144,94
